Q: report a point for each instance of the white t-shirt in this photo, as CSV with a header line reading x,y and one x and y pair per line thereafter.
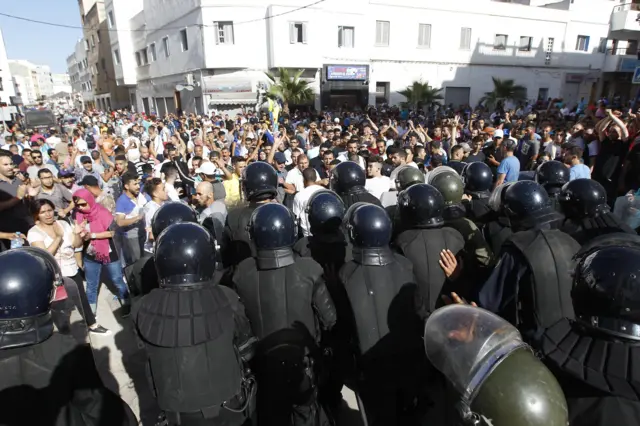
x,y
172,192
52,141
294,177
377,185
65,254
131,139
300,206
150,209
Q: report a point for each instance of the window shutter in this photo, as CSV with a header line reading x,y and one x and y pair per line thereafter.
x,y
229,33
387,29
340,37
216,28
586,44
304,32
292,28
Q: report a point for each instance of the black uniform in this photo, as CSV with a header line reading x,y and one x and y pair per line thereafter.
x,y
387,313
289,305
531,284
420,210
348,180
552,175
46,378
593,357
497,228
584,202
478,180
196,334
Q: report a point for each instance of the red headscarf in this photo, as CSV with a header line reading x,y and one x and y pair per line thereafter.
x,y
99,220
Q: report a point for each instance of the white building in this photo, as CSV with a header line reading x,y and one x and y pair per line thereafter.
x,y
37,79
7,90
61,83
366,51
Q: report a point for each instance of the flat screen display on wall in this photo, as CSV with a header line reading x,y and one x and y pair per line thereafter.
x,y
346,72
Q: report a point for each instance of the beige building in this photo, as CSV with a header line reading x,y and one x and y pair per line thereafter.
x,y
107,94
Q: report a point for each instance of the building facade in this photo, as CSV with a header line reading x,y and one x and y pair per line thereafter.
x,y
212,57
35,81
7,88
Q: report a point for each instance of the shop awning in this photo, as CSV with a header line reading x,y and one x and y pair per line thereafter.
x,y
238,83
233,98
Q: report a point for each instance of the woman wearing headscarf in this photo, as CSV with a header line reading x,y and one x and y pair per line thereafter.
x,y
99,248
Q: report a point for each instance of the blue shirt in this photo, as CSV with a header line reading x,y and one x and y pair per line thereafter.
x,y
125,207
510,166
579,171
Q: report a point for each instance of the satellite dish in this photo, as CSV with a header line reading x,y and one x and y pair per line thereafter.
x,y
189,88
179,87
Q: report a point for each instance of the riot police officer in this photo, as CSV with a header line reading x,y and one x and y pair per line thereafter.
x,y
584,203
477,255
403,177
46,377
259,186
196,334
141,275
347,180
458,166
329,246
602,343
552,175
498,227
478,180
288,304
503,383
423,238
387,313
531,283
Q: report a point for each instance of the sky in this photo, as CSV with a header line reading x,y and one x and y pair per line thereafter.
x,y
41,44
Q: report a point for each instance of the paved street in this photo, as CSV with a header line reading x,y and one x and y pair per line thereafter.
x,y
121,363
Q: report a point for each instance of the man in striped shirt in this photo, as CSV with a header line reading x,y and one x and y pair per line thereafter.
x,y
145,158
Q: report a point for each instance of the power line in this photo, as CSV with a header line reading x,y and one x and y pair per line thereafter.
x,y
76,27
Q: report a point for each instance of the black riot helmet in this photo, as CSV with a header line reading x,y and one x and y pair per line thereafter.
x,y
26,291
552,174
526,199
171,213
421,206
477,177
272,226
325,211
185,256
407,176
458,166
448,182
582,198
368,226
606,283
387,169
345,176
259,181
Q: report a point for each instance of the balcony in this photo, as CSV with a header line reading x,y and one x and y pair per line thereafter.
x,y
620,60
625,17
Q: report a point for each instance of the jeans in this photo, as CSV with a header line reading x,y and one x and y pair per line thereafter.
x,y
92,270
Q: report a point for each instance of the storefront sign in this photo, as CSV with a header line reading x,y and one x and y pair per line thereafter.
x,y
628,65
233,86
574,78
346,72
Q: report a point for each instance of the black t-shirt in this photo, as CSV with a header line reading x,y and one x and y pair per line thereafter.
x,y
632,176
609,159
476,158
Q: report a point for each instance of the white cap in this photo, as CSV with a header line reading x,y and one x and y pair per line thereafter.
x,y
82,146
336,120
207,168
498,133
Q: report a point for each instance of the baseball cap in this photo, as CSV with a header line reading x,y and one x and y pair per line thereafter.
x,y
336,120
85,159
510,143
65,173
280,158
89,180
498,134
206,168
82,146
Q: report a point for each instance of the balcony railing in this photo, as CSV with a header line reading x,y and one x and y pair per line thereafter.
x,y
627,6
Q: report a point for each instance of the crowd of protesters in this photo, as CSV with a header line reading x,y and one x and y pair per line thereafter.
x,y
88,194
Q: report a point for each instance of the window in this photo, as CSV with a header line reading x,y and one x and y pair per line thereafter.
x,y
346,36
382,33
165,46
86,44
547,53
582,44
96,68
465,39
543,94
525,43
298,32
632,47
93,41
103,64
184,42
116,56
110,19
424,35
98,36
138,59
224,32
500,42
145,57
602,46
152,52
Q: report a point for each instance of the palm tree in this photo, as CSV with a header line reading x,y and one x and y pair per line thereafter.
x,y
420,93
503,90
288,87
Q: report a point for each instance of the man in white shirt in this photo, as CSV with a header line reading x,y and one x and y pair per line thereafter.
x,y
377,183
53,140
294,177
352,148
170,177
301,199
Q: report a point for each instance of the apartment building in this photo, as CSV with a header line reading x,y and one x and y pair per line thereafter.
x,y
34,81
213,57
7,89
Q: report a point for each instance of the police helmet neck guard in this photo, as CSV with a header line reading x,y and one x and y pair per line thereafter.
x,y
25,332
274,258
